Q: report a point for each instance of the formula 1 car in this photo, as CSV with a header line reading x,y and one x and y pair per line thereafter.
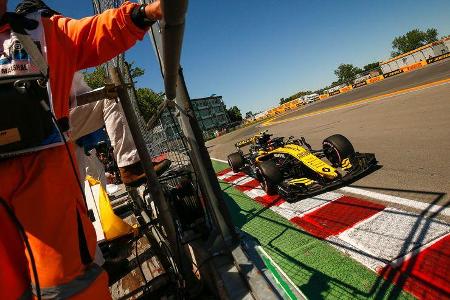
x,y
294,170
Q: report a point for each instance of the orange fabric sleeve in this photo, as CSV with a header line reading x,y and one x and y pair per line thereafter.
x,y
74,45
94,40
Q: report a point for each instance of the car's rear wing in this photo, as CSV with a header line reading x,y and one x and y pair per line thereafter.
x,y
244,143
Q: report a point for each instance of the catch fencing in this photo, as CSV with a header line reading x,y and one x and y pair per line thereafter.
x,y
164,139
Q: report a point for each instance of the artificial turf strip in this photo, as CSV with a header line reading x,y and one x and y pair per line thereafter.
x,y
318,269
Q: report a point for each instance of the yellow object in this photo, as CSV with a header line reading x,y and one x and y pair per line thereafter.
x,y
414,66
346,89
246,142
113,226
346,164
303,180
375,79
308,159
250,140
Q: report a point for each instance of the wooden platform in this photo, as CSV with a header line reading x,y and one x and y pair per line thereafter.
x,y
132,282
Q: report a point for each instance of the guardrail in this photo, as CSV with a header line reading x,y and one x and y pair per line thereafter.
x,y
284,108
408,68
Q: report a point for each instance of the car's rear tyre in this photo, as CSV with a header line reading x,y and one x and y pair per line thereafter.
x,y
236,161
337,148
270,176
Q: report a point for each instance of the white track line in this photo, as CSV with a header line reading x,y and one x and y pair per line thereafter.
x,y
226,175
242,180
397,262
279,269
431,208
255,192
380,235
393,233
305,206
219,160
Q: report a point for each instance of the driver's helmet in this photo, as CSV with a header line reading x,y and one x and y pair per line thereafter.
x,y
263,139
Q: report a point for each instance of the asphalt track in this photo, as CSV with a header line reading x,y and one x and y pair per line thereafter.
x,y
403,120
429,74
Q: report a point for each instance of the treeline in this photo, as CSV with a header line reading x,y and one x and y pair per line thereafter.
x,y
295,96
347,73
147,99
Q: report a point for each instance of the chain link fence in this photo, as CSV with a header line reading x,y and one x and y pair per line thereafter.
x,y
165,138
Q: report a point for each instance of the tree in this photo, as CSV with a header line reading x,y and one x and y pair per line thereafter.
x,y
413,39
346,73
335,83
148,101
135,72
295,96
234,114
96,78
248,114
372,66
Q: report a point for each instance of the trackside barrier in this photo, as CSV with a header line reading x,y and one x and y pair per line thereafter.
x,y
393,73
415,66
345,89
438,58
333,93
285,107
359,84
372,80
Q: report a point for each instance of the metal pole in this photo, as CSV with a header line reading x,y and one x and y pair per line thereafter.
x,y
230,279
206,171
152,180
172,25
199,152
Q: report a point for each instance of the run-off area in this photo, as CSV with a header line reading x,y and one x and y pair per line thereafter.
x,y
408,249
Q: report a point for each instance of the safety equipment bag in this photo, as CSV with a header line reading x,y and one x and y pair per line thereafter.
x,y
26,122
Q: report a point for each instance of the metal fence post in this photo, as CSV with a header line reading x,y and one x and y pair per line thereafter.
x,y
193,133
152,180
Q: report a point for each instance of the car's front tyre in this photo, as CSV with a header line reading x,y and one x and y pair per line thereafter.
x,y
270,176
337,148
236,161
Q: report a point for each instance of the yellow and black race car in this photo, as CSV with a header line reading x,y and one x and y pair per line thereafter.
x,y
294,170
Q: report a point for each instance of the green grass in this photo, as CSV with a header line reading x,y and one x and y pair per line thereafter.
x,y
318,269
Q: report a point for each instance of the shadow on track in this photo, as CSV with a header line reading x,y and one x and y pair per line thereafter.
x,y
400,276
319,285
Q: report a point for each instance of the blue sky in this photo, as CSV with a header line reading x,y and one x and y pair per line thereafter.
x,y
255,52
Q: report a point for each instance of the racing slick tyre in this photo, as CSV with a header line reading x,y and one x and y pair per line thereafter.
x,y
337,148
270,176
236,161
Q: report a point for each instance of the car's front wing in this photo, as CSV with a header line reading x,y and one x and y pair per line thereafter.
x,y
361,165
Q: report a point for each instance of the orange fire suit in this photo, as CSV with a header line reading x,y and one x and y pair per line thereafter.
x,y
41,187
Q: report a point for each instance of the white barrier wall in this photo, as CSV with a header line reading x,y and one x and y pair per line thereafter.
x,y
415,56
447,43
439,49
428,52
418,56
